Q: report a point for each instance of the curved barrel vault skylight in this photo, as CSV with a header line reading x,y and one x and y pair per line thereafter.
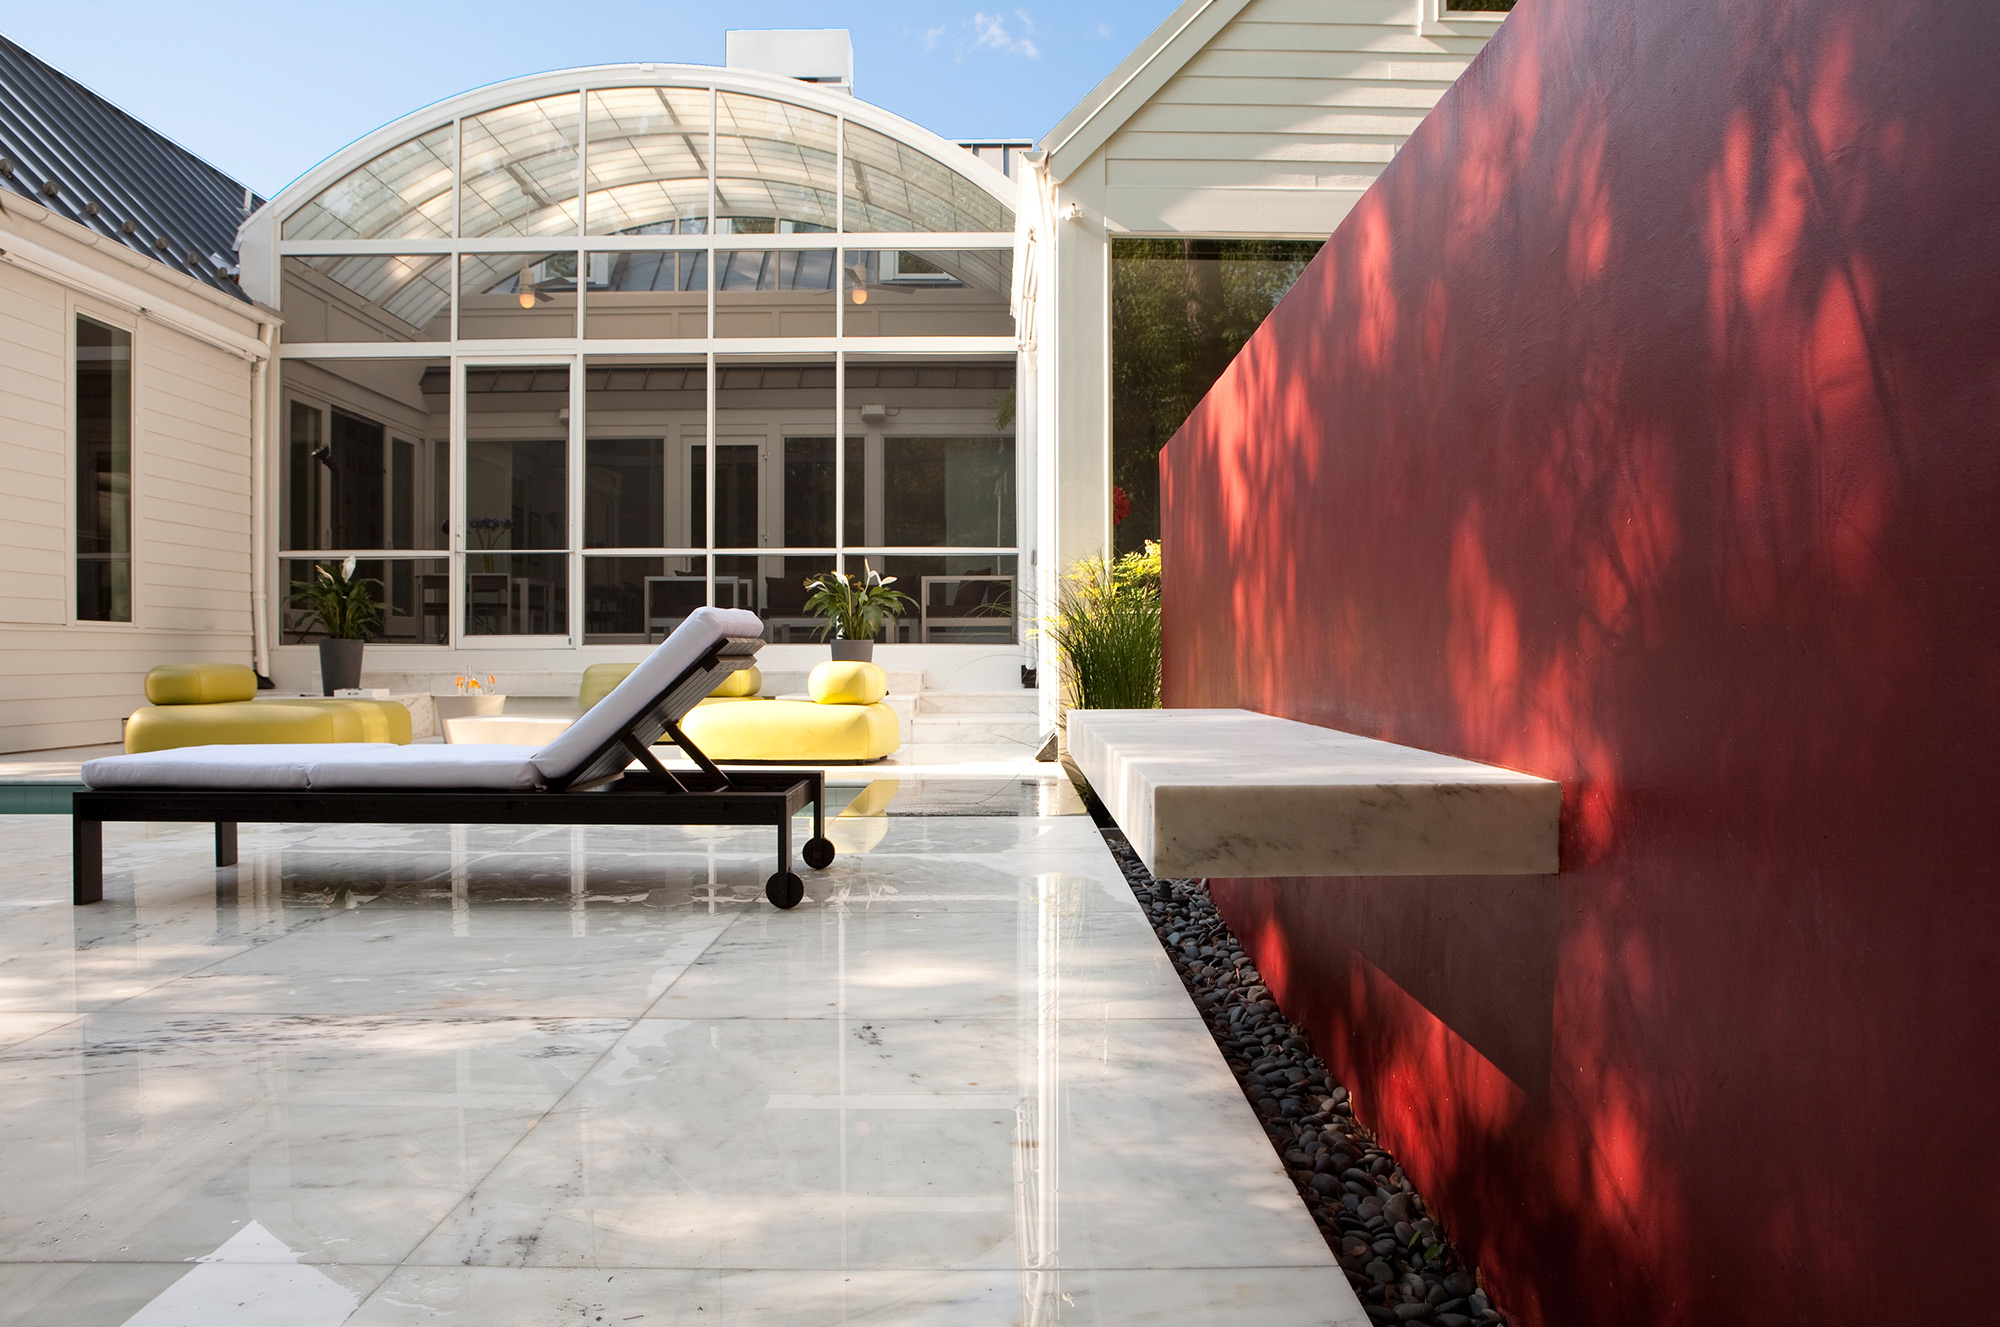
x,y
640,159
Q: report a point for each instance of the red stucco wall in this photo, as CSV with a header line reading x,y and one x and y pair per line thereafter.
x,y
1641,428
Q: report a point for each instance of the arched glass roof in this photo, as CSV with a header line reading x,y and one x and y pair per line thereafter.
x,y
687,155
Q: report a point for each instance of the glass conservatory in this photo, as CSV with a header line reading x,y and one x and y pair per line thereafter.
x,y
572,355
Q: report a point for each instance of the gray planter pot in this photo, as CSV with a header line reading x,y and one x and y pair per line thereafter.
x,y
858,651
339,665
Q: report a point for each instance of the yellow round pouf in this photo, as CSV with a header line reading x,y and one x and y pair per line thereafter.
x,y
847,682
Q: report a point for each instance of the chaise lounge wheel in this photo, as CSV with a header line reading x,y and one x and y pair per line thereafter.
x,y
785,889
818,853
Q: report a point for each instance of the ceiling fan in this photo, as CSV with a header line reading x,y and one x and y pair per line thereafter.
x,y
531,293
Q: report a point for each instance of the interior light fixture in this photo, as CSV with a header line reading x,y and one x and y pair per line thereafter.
x,y
859,274
525,283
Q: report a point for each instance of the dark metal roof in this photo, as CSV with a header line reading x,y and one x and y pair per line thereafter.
x,y
82,158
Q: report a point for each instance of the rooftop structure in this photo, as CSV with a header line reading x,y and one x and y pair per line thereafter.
x,y
84,159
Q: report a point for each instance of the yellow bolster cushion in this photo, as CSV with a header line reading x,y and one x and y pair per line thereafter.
x,y
847,682
199,684
742,682
599,679
164,727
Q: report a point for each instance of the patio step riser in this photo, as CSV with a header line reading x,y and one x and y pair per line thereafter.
x,y
977,702
959,728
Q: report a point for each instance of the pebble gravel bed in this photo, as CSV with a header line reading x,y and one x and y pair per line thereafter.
x,y
1396,1256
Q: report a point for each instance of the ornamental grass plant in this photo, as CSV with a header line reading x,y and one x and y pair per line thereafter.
x,y
1107,628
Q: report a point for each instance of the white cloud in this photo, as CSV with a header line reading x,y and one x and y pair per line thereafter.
x,y
1104,29
931,36
990,34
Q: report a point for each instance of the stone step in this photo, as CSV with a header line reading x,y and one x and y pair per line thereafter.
x,y
977,702
960,728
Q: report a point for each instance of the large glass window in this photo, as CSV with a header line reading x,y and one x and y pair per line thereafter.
x,y
648,159
774,162
367,297
414,595
959,598
497,503
644,417
403,194
512,295
656,295
774,292
930,292
892,186
103,472
517,501
367,455
520,171
1180,310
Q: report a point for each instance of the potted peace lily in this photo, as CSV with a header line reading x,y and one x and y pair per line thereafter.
x,y
343,606
854,607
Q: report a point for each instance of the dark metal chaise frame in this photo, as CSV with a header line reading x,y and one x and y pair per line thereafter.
x,y
602,791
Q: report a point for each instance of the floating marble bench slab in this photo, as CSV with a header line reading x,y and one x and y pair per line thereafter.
x,y
1237,794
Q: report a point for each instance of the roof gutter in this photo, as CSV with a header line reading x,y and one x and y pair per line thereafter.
x,y
27,254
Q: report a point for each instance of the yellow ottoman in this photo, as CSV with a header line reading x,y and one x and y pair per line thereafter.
x,y
844,723
210,704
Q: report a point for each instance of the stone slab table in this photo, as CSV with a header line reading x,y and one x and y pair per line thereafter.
x,y
1237,794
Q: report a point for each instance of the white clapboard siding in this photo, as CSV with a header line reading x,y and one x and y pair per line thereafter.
x,y
1282,119
33,451
70,684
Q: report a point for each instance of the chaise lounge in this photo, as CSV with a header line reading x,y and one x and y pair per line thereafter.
x,y
581,777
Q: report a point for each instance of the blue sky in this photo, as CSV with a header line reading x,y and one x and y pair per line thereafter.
x,y
265,90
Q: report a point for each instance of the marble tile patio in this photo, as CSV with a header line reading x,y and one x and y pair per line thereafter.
x,y
495,1076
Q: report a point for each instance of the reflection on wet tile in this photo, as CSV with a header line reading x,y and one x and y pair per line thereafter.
x,y
493,1074
888,1143
916,962
347,1137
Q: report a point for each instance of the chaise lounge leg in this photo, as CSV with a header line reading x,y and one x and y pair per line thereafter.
x,y
225,843
784,888
87,860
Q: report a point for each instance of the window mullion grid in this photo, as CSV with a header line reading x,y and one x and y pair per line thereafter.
x,y
457,235
574,562
840,345
582,229
708,465
457,469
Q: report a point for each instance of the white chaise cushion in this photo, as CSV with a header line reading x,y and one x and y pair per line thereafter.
x,y
244,767
703,629
488,768
320,767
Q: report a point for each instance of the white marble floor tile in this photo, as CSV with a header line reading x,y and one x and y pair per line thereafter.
x,y
540,1075
903,963
885,1144
415,1296
139,1138
492,971
181,1294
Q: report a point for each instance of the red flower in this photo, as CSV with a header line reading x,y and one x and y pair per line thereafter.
x,y
1121,505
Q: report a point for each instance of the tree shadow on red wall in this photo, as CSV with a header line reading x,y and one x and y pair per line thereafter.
x,y
1637,429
